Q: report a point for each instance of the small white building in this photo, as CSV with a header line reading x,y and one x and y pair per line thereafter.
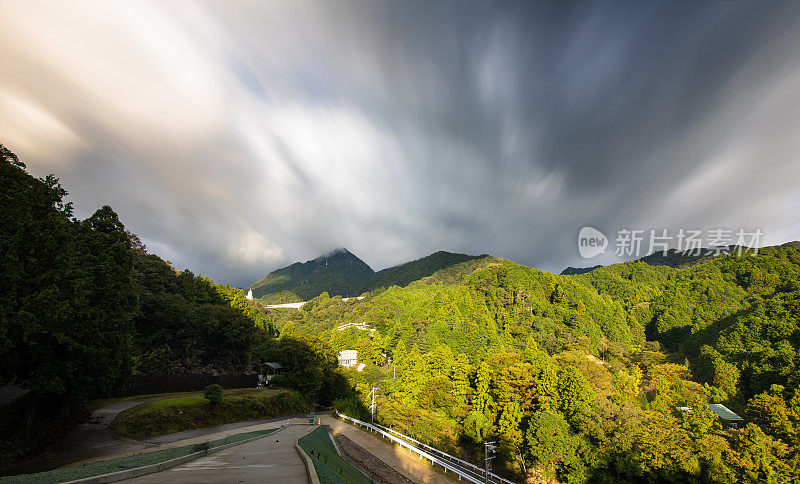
x,y
250,294
348,358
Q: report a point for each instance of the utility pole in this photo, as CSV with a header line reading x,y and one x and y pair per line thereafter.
x,y
489,451
372,407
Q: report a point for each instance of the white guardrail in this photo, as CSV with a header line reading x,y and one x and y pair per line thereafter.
x,y
463,469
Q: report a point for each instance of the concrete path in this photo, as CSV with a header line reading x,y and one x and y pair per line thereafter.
x,y
404,462
270,459
101,418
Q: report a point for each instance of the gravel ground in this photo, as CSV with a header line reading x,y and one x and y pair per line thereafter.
x,y
371,465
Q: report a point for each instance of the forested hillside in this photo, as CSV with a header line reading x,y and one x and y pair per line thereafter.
x,y
65,301
340,273
675,258
186,323
343,274
83,306
735,318
409,272
580,377
65,291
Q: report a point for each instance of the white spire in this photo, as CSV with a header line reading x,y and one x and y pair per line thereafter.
x,y
250,294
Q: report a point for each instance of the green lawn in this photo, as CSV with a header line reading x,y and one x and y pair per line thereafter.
x,y
129,462
192,411
331,469
178,402
100,403
196,398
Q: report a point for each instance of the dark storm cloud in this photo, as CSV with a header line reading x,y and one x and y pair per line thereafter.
x,y
235,140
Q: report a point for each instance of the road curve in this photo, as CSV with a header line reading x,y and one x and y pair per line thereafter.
x,y
270,459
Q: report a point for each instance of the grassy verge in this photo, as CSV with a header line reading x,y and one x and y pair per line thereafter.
x,y
194,412
129,462
100,403
331,469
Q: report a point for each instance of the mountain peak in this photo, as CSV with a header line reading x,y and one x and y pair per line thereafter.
x,y
339,273
572,271
333,253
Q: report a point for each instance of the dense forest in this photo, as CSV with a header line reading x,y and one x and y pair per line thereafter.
x,y
65,293
582,378
83,306
594,377
409,272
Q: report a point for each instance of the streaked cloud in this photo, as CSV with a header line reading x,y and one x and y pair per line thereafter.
x,y
238,137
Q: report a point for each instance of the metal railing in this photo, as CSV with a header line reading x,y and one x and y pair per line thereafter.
x,y
463,469
444,455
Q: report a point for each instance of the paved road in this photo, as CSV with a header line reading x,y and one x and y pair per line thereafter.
x,y
300,304
101,418
92,441
221,429
286,306
270,459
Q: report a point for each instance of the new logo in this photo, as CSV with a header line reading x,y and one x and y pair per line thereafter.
x,y
591,242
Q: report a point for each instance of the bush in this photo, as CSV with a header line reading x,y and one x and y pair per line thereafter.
x,y
213,393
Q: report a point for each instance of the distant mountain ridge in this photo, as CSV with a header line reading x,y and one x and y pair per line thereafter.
x,y
572,271
341,273
405,274
672,258
677,259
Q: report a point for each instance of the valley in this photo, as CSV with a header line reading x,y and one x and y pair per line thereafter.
x,y
662,369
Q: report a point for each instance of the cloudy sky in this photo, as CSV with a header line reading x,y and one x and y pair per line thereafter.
x,y
237,137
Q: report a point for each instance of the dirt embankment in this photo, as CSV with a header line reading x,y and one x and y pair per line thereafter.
x,y
371,465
